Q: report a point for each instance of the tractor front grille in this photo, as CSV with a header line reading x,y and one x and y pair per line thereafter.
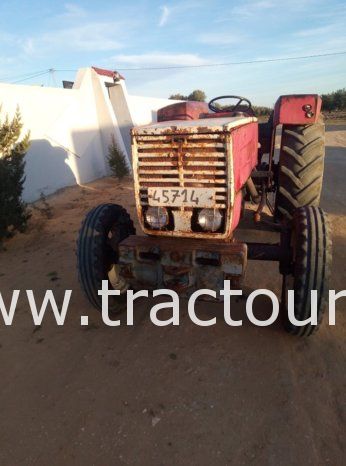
x,y
191,160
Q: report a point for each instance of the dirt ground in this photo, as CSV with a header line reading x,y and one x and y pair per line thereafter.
x,y
165,396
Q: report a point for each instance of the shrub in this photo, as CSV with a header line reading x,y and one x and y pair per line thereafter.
x,y
178,97
262,111
117,160
196,95
13,212
334,101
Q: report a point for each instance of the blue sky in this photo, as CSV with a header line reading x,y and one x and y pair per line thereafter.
x,y
37,35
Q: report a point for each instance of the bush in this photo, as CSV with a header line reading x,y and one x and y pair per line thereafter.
x,y
117,160
13,212
196,95
262,111
178,97
335,101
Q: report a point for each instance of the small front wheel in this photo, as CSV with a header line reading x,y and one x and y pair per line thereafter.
x,y
102,230
311,264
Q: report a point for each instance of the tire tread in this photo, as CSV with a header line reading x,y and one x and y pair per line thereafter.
x,y
313,257
94,254
301,167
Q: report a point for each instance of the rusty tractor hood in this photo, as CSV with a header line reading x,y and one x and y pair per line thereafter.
x,y
205,125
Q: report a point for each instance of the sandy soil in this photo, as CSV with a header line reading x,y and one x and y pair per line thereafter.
x,y
164,396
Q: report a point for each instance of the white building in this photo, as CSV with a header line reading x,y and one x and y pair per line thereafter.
x,y
70,129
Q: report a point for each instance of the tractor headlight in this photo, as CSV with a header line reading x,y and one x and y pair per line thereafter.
x,y
210,219
157,217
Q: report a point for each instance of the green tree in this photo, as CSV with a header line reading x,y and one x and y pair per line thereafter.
x,y
334,100
13,148
117,160
340,99
262,111
197,95
178,97
327,102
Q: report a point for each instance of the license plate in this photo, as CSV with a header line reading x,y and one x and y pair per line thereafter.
x,y
189,197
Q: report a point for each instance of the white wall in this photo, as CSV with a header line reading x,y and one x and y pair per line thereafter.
x,y
131,111
71,129
144,109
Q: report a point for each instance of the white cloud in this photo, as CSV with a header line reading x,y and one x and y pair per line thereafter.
x,y
8,38
260,10
253,7
7,61
165,12
89,37
219,38
73,11
28,46
335,29
159,59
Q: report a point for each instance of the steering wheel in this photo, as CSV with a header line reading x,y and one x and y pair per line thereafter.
x,y
231,108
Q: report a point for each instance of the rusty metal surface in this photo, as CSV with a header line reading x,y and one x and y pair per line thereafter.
x,y
188,154
186,161
206,125
182,265
178,246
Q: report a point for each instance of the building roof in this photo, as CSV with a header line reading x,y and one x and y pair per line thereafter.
x,y
111,74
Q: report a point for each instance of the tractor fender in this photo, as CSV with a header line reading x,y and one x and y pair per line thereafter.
x,y
298,109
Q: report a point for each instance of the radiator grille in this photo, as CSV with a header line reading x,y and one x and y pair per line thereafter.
x,y
194,160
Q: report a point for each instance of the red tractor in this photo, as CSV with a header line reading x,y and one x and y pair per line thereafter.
x,y
193,171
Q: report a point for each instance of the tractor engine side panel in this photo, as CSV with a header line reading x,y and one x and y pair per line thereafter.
x,y
245,153
245,157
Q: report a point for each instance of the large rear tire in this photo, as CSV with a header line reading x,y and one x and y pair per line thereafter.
x,y
102,230
301,167
311,265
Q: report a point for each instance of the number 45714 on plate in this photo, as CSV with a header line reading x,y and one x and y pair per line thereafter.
x,y
190,197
